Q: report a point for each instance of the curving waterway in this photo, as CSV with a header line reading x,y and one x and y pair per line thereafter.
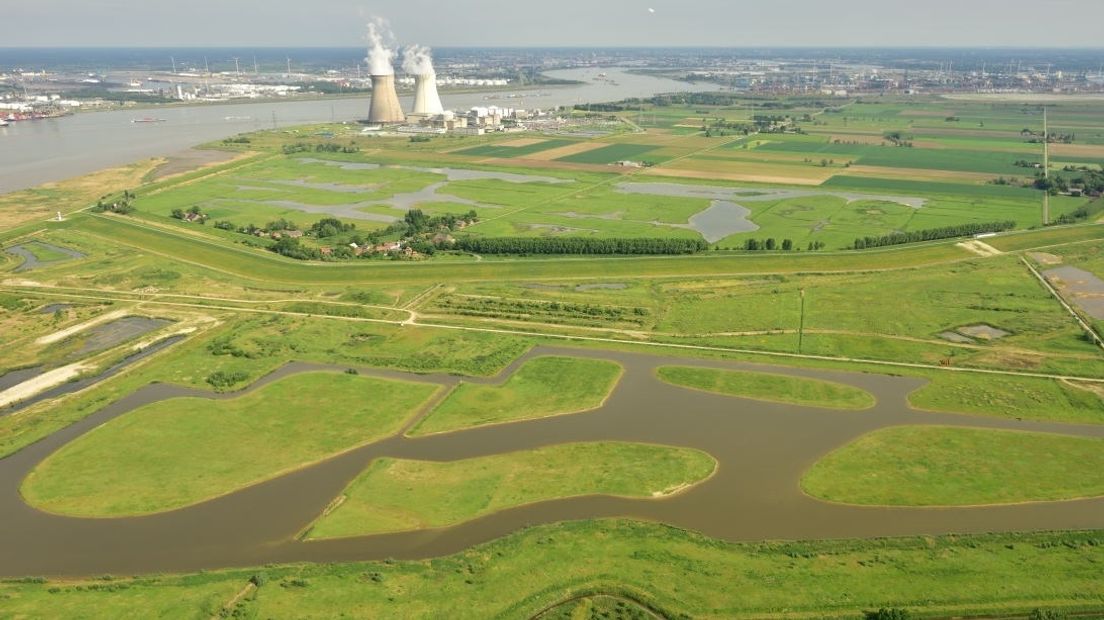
x,y
762,450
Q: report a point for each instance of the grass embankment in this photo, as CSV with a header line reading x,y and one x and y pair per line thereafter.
x,y
669,570
185,450
541,387
943,466
394,495
768,387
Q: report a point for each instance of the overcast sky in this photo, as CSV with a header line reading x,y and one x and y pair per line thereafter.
x,y
586,23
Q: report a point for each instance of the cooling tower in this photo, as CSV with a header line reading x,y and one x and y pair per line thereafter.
x,y
385,101
426,100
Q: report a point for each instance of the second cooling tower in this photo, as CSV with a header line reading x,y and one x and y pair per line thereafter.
x,y
385,101
426,100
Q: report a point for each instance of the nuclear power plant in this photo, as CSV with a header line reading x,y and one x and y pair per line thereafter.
x,y
426,100
385,108
428,115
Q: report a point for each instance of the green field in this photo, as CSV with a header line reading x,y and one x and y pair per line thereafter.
x,y
396,495
942,466
542,387
769,387
185,450
494,150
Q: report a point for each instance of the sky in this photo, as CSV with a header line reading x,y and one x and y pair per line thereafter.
x,y
566,23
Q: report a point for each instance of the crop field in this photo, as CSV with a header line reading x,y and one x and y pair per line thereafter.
x,y
478,420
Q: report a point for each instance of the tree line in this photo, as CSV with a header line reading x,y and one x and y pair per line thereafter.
x,y
579,245
932,234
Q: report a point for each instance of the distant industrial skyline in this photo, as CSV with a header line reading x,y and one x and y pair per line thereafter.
x,y
568,23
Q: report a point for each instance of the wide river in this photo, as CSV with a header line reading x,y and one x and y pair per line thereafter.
x,y
32,153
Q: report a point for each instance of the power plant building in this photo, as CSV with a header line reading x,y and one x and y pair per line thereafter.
x,y
385,108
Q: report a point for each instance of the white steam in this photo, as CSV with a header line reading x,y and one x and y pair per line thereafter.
x,y
417,60
380,47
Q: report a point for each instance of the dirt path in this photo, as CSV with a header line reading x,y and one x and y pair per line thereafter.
x,y
980,248
229,606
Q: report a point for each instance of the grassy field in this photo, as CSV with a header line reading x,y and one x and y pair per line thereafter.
x,y
670,571
1010,397
943,466
544,386
185,450
769,387
396,495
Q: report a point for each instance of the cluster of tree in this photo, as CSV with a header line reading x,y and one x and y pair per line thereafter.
x,y
417,222
102,92
291,248
931,234
899,139
1089,179
193,214
420,139
237,140
123,206
1052,137
1079,214
327,227
303,147
577,313
1024,163
816,245
579,245
755,245
330,88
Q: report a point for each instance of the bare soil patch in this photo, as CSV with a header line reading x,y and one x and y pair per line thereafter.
x,y
1080,287
735,175
192,160
1045,259
520,142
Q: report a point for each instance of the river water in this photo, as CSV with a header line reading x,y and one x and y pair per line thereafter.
x,y
32,153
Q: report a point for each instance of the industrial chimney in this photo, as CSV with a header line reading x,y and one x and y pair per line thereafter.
x,y
385,101
426,100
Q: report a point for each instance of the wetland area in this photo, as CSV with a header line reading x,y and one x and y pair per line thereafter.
x,y
762,450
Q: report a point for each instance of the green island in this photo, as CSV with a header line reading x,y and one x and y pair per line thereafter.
x,y
541,387
942,466
768,387
394,495
186,450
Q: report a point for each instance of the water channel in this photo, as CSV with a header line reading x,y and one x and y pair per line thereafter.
x,y
762,449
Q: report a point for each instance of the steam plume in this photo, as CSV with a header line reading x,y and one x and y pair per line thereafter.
x,y
380,47
417,60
